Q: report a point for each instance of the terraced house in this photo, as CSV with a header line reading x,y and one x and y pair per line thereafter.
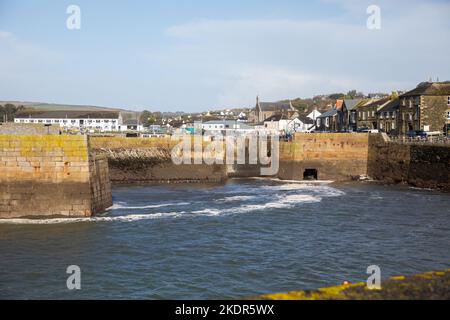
x,y
368,113
388,117
427,107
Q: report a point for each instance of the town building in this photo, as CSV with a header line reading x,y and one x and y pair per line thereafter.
x,y
388,117
368,113
313,115
351,105
225,127
101,121
327,121
282,125
131,125
264,110
334,120
427,108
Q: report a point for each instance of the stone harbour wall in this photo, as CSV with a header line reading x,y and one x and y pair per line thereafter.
x,y
51,175
419,165
334,156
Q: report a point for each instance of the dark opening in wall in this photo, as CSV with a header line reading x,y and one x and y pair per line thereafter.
x,y
310,174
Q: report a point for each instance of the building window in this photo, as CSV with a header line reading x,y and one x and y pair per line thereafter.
x,y
448,101
327,122
417,101
448,115
393,125
318,122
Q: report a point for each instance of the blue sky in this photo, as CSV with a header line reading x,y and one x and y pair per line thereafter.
x,y
199,55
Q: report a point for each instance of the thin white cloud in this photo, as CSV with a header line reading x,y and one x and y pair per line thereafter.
x,y
4,34
284,58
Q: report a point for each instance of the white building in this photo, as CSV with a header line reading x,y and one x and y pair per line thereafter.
x,y
226,127
131,125
282,125
89,121
102,121
313,115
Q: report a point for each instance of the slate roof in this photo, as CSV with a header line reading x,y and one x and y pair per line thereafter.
x,y
392,105
376,103
69,115
351,104
275,106
329,113
303,118
130,122
275,117
430,89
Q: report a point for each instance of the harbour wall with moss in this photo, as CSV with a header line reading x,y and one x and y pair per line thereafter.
x,y
433,285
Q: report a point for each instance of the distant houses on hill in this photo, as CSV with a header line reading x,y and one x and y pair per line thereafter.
x,y
425,108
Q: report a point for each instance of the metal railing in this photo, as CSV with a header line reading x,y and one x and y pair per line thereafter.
x,y
421,140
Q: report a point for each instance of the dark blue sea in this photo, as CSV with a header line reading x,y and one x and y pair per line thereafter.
x,y
231,240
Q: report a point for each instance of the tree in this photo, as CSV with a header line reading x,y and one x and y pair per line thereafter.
x,y
335,96
8,112
144,118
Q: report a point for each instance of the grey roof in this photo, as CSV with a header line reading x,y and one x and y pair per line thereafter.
x,y
275,106
303,118
329,113
130,122
69,115
392,105
275,117
430,89
351,104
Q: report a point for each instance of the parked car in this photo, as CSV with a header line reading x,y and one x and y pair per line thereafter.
x,y
364,130
417,134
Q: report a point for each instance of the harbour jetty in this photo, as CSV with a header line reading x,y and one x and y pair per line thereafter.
x,y
321,156
43,173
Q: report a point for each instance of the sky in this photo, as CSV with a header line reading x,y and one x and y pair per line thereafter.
x,y
197,55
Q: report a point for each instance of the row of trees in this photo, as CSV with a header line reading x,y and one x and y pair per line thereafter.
x,y
8,112
148,118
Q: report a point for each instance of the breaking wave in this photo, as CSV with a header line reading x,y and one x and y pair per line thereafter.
x,y
244,199
125,218
121,205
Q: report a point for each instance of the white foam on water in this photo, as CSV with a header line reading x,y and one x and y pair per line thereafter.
x,y
279,202
209,212
236,198
322,190
307,182
126,218
121,205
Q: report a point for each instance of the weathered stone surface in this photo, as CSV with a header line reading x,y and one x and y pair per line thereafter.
x,y
51,175
336,157
420,165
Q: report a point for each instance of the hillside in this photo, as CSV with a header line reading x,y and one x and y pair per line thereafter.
x,y
38,106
